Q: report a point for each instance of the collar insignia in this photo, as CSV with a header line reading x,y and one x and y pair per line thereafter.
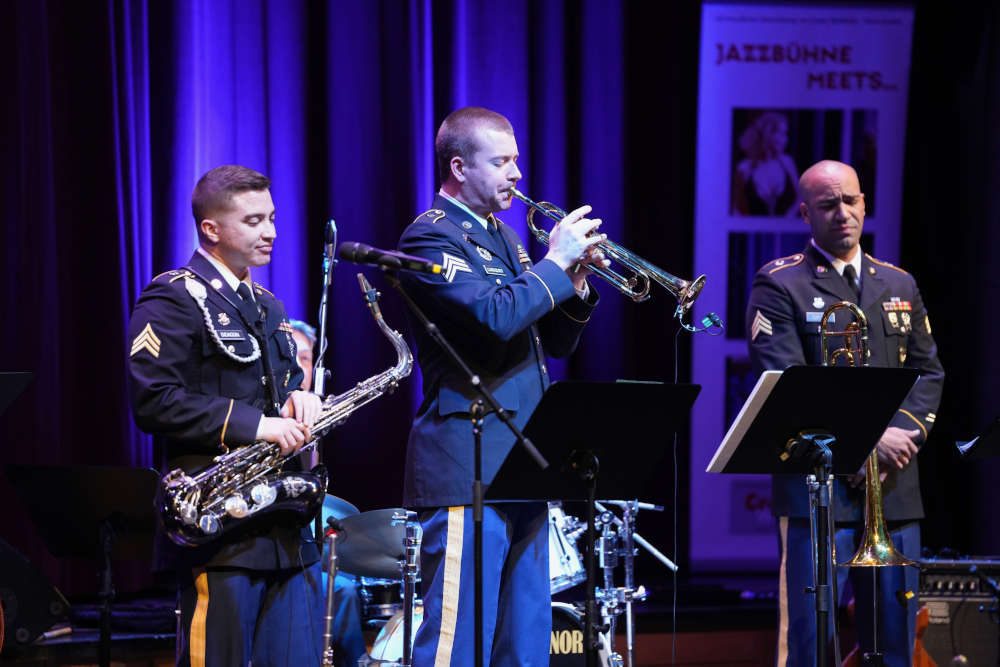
x,y
216,283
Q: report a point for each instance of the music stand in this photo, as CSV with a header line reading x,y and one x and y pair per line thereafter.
x,y
611,455
91,512
818,421
11,386
985,445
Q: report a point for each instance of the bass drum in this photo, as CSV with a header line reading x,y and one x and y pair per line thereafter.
x,y
565,644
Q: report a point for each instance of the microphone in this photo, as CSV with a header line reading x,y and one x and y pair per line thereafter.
x,y
329,237
360,253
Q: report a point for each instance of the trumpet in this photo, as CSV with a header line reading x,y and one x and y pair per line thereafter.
x,y
643,274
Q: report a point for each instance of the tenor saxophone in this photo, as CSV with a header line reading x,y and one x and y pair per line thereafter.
x,y
249,482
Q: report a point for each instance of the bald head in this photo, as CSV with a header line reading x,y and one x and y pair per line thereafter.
x,y
833,206
825,172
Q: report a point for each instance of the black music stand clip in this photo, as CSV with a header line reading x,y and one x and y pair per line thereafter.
x,y
608,457
92,512
807,420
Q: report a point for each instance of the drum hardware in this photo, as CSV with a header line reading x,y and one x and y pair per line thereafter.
x,y
410,567
330,540
617,545
566,568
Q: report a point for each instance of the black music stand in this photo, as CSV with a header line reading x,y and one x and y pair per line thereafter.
x,y
984,446
91,512
601,438
818,421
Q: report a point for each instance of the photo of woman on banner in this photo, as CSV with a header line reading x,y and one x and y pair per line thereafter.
x,y
764,180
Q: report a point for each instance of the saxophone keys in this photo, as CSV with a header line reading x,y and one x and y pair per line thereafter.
x,y
236,506
263,495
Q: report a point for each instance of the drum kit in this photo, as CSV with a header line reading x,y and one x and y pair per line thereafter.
x,y
381,548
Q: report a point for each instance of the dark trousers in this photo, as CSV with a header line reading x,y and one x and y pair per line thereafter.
x,y
517,612
797,609
230,616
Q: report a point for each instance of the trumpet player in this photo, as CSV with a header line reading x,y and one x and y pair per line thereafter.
x,y
504,314
212,366
788,298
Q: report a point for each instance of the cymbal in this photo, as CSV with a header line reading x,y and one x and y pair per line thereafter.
x,y
338,508
368,545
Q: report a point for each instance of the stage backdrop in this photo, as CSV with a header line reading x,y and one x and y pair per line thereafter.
x,y
781,87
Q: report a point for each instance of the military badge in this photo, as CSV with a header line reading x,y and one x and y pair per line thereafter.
x,y
452,265
893,319
216,283
223,319
818,302
522,255
484,253
761,325
906,319
146,340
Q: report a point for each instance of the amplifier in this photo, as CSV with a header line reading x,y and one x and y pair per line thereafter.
x,y
963,620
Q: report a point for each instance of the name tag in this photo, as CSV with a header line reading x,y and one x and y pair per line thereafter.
x,y
494,270
813,316
231,335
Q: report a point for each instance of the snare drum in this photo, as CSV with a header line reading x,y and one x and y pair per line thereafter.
x,y
565,644
566,567
380,598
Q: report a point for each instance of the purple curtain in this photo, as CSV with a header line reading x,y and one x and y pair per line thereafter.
x,y
115,109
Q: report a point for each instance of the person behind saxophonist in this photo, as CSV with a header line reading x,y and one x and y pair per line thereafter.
x,y
504,314
211,368
348,636
787,301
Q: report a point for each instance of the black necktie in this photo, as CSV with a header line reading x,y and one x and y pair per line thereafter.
x,y
852,281
247,305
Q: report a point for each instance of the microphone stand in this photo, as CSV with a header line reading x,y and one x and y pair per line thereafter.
x,y
319,371
478,413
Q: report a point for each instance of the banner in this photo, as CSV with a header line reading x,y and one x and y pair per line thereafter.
x,y
780,88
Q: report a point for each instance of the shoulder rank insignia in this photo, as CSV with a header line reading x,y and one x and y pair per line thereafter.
x,y
761,325
146,340
522,255
452,265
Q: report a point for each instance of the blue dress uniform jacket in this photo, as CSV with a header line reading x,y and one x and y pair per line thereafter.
x,y
503,315
787,300
197,381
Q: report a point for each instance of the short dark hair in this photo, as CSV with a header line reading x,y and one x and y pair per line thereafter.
x,y
214,190
457,135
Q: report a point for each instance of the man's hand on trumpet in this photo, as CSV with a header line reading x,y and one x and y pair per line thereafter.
x,y
572,245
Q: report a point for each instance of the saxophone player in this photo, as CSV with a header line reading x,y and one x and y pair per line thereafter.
x,y
212,365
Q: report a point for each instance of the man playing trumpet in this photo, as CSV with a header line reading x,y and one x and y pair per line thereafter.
x,y
504,314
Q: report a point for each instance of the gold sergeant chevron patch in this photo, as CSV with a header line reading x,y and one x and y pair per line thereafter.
x,y
146,340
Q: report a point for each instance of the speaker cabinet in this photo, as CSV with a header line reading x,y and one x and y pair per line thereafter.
x,y
31,605
962,626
